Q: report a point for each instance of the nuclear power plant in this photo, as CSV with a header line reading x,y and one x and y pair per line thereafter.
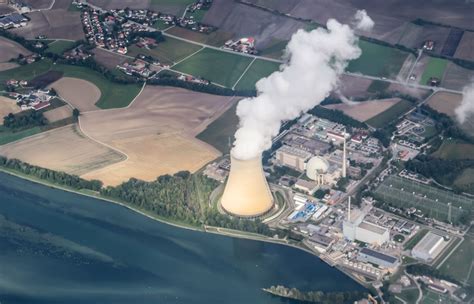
x,y
246,193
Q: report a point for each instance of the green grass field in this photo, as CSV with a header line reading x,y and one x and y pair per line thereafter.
x,y
25,72
459,264
433,202
377,60
7,136
378,86
434,68
221,131
274,49
258,69
431,297
392,113
409,295
59,46
197,15
465,180
455,149
219,67
415,239
169,51
178,4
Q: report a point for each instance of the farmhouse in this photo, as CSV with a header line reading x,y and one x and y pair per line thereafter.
x,y
12,20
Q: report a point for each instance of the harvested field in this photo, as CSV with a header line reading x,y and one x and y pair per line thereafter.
x,y
58,114
63,149
80,93
108,59
352,87
56,24
10,49
156,132
7,106
39,4
363,111
465,48
445,102
8,66
451,44
392,113
456,77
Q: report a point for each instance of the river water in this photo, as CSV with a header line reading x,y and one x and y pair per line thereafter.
x,y
60,247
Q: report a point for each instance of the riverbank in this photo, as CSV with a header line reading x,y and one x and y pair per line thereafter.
x,y
209,229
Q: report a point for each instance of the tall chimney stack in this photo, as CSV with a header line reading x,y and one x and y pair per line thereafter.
x,y
344,161
246,193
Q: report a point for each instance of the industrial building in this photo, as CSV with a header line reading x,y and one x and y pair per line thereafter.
x,y
378,258
355,228
292,157
247,193
429,247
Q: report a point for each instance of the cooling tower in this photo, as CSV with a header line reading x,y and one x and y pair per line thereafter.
x,y
247,193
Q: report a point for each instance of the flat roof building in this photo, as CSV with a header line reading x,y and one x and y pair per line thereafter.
x,y
292,157
429,247
378,258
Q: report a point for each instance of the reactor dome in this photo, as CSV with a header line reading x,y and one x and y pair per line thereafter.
x,y
316,166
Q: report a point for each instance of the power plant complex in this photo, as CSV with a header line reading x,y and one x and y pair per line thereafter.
x,y
247,193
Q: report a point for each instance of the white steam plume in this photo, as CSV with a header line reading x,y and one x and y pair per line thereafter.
x,y
316,59
363,21
467,104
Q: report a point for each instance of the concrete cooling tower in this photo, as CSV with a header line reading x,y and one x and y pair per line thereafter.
x,y
247,193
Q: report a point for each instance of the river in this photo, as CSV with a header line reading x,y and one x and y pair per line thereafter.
x,y
61,247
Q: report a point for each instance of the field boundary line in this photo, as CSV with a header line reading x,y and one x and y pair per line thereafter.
x,y
245,72
450,253
187,57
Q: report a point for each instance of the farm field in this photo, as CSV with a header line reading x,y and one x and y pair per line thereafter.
x,y
157,133
465,48
390,114
58,114
465,181
59,46
63,149
456,77
108,59
274,49
365,110
221,131
258,69
7,136
176,7
26,72
377,60
225,69
80,93
410,295
10,49
216,38
455,149
445,102
8,66
431,297
435,68
169,51
432,201
7,106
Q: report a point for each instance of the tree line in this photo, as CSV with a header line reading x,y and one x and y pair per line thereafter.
x,y
24,120
336,116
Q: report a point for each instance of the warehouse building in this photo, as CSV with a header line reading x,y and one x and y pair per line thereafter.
x,y
429,247
292,157
355,228
378,258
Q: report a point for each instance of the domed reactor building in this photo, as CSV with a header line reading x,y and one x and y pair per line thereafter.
x,y
247,193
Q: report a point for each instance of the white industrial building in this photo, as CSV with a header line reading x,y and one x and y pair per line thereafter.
x,y
378,258
292,157
429,247
355,228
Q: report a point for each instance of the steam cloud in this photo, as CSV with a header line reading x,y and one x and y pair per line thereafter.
x,y
467,104
316,59
363,21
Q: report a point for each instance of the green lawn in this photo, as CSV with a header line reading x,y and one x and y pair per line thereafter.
x,y
390,114
258,69
409,295
59,46
434,68
7,136
378,86
378,60
415,239
460,262
221,131
25,72
169,51
431,297
217,66
455,150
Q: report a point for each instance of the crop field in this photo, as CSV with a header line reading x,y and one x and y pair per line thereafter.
x,y
377,60
445,102
432,201
459,265
216,38
176,7
81,94
378,86
465,48
25,72
456,77
64,149
455,149
220,133
435,68
7,136
108,59
59,46
10,49
169,51
431,297
452,42
391,114
219,67
7,106
258,70
274,49
365,110
58,114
